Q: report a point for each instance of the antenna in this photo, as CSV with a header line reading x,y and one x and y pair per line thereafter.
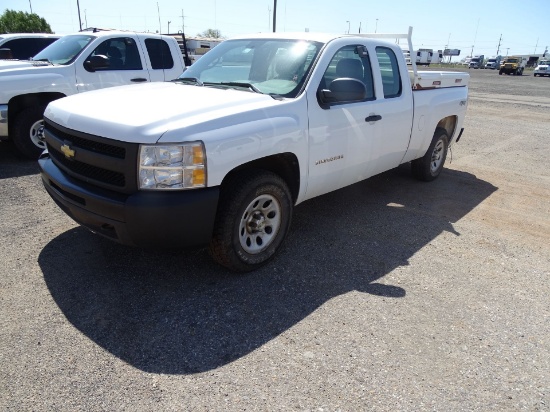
x,y
160,25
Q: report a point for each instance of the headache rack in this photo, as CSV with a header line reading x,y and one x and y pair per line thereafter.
x,y
425,79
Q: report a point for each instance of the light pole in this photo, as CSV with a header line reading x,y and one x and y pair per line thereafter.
x,y
347,21
169,26
376,27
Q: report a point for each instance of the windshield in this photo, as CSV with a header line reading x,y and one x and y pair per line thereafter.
x,y
511,60
544,63
270,66
64,50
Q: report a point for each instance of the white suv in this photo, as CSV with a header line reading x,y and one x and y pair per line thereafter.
x,y
542,69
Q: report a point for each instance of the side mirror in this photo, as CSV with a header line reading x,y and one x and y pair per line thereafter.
x,y
343,90
96,62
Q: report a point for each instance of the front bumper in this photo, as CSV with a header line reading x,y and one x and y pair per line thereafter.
x,y
146,218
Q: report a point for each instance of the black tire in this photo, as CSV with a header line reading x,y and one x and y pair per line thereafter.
x,y
429,166
500,72
254,214
27,131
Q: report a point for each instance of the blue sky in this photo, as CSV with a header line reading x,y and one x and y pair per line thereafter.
x,y
460,24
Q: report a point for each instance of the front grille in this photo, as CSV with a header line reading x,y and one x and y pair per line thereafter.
x,y
94,146
102,162
89,171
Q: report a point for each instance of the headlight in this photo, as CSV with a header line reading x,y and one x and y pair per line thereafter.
x,y
172,167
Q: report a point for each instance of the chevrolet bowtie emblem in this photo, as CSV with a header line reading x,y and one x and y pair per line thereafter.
x,y
67,151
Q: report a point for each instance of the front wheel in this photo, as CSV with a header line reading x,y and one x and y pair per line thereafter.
x,y
28,131
253,218
429,166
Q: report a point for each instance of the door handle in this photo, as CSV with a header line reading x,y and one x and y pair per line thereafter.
x,y
138,79
373,118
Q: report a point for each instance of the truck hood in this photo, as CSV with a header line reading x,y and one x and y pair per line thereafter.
x,y
144,113
19,64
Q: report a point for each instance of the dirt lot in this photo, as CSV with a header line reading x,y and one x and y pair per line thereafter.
x,y
389,295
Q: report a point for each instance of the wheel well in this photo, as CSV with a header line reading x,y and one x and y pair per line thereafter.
x,y
448,124
284,164
18,103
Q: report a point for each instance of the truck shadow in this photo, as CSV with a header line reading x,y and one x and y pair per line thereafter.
x,y
13,164
179,313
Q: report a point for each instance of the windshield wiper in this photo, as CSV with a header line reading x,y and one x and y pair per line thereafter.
x,y
242,84
189,79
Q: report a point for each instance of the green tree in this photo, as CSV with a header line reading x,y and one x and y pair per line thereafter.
x,y
22,22
211,33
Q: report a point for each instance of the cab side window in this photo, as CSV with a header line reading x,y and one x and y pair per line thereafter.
x,y
349,63
122,52
26,48
389,69
159,54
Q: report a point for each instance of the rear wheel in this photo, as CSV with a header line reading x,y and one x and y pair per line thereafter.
x,y
429,166
253,218
28,131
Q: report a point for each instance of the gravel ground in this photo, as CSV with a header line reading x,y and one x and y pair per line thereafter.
x,y
391,294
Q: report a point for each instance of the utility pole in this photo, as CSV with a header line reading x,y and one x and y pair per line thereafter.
x,y
274,16
498,48
169,26
535,52
182,22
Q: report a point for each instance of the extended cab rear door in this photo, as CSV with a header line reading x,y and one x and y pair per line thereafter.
x,y
352,140
160,58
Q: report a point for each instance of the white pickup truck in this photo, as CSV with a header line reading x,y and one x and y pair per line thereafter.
x,y
258,125
77,63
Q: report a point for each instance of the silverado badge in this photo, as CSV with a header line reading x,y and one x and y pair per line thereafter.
x,y
67,151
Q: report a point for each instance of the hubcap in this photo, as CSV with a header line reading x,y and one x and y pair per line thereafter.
x,y
437,156
37,134
259,224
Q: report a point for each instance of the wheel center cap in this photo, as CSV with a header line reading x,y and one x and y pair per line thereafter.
x,y
256,222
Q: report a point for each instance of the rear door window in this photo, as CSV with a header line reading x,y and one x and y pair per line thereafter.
x,y
159,54
389,69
